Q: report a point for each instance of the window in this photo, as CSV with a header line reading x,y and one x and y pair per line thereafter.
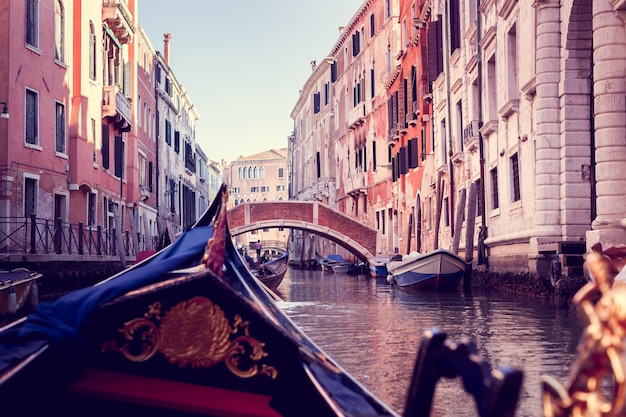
x,y
32,23
91,209
30,196
265,188
119,156
356,43
92,52
105,146
281,173
60,128
93,138
280,188
59,31
372,27
143,171
495,202
254,189
32,117
446,212
168,132
515,177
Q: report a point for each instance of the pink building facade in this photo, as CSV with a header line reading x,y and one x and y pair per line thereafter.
x,y
79,151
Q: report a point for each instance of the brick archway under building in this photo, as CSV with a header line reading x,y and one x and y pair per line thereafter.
x,y
309,216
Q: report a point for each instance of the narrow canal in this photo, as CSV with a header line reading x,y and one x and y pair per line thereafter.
x,y
373,331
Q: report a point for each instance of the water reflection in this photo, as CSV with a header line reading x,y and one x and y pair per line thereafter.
x,y
373,331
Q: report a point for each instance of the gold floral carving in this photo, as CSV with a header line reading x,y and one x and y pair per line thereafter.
x,y
600,362
196,334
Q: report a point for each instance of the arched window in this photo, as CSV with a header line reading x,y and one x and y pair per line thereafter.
x,y
59,31
239,173
256,173
92,51
250,172
262,172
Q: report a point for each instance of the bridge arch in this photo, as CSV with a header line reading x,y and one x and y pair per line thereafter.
x,y
309,216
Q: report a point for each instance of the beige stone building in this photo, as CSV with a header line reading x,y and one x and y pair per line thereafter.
x,y
259,177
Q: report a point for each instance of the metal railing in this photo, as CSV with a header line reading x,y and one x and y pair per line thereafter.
x,y
33,235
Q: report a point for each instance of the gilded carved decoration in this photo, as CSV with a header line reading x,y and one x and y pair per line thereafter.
x,y
193,334
600,366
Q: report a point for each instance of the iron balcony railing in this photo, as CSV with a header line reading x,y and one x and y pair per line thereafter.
x,y
32,235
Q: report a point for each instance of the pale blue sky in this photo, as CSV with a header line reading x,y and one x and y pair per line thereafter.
x,y
244,62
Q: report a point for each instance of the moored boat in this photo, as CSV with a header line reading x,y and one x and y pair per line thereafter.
x,y
272,272
335,263
437,270
378,266
18,289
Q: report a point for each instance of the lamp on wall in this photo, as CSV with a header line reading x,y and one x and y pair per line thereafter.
x,y
5,110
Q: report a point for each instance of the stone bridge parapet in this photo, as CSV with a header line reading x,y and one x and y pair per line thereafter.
x,y
309,216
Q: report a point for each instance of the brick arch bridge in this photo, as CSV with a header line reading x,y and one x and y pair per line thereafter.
x,y
305,215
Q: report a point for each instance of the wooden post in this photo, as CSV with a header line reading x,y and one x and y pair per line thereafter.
x,y
134,222
460,208
469,224
469,235
118,234
440,185
149,241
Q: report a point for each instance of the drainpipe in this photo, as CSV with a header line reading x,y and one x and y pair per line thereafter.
x,y
481,148
157,169
592,159
449,123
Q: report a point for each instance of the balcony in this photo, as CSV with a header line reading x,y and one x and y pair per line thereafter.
x,y
470,135
117,107
356,116
355,184
117,16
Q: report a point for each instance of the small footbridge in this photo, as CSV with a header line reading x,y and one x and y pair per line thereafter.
x,y
305,215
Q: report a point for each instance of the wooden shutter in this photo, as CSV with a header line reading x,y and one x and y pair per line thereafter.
x,y
373,155
105,146
119,156
403,165
413,153
150,174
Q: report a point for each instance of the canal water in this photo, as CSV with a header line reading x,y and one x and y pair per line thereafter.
x,y
373,331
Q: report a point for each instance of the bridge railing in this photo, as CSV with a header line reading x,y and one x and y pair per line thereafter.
x,y
32,235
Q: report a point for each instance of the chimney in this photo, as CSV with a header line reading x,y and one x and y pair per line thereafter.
x,y
341,29
166,47
313,65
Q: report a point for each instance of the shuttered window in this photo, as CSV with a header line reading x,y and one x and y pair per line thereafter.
x,y
119,156
32,117
32,23
413,153
30,197
105,146
60,128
